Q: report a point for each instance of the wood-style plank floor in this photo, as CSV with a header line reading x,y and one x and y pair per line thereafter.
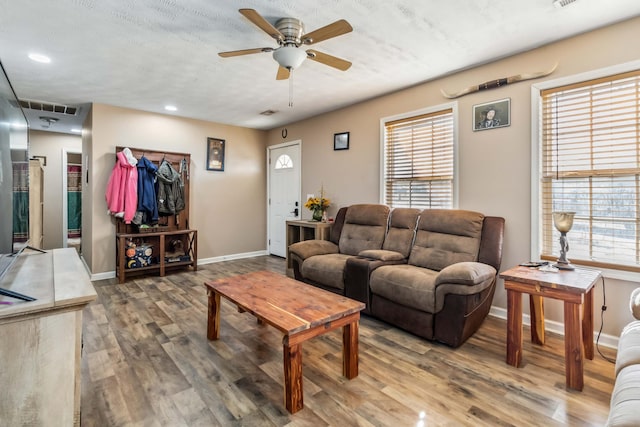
x,y
147,362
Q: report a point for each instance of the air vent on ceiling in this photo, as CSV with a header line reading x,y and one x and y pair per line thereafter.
x,y
562,3
47,106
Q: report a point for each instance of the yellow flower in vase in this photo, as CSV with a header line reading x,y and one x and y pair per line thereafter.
x,y
317,205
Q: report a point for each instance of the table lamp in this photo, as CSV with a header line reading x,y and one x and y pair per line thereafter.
x,y
563,222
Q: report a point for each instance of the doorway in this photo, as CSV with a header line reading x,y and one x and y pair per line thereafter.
x,y
284,193
72,200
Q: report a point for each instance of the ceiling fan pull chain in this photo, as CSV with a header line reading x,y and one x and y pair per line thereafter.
x,y
291,88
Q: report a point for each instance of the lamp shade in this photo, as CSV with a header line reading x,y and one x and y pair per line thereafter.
x,y
289,57
563,221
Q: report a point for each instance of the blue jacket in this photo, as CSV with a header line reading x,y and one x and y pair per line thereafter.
x,y
147,201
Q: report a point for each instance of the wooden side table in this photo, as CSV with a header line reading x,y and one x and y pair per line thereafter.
x,y
575,288
299,230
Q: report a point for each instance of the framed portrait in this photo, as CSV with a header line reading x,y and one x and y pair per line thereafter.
x,y
495,114
341,141
215,154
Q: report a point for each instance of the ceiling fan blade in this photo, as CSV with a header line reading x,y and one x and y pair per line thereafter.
x,y
283,73
330,60
245,52
262,23
336,29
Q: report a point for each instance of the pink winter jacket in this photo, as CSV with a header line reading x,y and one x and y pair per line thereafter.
x,y
122,188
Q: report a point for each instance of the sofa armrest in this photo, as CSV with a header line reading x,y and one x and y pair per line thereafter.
x,y
358,272
382,255
466,273
463,278
634,303
308,248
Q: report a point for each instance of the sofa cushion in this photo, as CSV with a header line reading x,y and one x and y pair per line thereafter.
x,y
406,285
364,228
625,398
326,269
336,227
402,230
382,255
628,346
445,237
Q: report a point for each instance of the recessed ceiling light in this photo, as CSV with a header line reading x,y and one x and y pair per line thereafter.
x,y
39,58
76,130
171,108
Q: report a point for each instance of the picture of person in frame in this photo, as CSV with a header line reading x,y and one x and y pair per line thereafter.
x,y
489,119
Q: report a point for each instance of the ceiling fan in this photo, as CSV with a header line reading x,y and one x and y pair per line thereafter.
x,y
289,33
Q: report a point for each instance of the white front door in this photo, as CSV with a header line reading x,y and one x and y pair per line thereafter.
x,y
284,193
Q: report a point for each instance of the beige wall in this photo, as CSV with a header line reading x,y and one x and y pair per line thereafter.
x,y
494,165
51,145
227,208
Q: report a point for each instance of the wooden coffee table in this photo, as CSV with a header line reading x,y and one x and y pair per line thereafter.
x,y
575,289
298,310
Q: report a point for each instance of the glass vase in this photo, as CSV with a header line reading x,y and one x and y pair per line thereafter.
x,y
316,215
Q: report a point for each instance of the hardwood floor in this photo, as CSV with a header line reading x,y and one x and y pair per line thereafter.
x,y
147,362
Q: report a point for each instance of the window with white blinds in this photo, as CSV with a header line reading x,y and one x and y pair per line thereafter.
x,y
419,161
591,166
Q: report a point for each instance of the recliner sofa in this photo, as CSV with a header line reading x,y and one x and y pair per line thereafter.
x,y
433,273
356,229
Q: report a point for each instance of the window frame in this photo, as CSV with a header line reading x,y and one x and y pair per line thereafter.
x,y
536,157
453,106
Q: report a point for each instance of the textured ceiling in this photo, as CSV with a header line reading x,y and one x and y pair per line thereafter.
x,y
145,54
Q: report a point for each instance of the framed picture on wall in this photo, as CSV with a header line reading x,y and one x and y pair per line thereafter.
x,y
495,114
341,141
215,154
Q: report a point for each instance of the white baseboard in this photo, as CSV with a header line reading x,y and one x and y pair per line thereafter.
x,y
231,257
610,341
112,274
103,276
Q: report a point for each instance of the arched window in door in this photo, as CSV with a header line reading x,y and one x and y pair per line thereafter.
x,y
284,162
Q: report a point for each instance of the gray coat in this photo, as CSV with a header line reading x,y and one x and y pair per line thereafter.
x,y
170,189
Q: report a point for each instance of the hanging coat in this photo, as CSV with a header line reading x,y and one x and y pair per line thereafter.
x,y
122,188
147,200
170,190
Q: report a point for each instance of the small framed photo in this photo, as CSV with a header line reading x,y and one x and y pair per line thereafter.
x,y
496,114
215,154
341,141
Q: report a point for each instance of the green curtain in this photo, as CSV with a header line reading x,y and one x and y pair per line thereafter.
x,y
74,200
20,201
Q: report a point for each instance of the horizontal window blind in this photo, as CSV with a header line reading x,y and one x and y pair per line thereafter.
x,y
419,161
591,166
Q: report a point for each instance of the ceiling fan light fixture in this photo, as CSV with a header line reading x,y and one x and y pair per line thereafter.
x,y
289,57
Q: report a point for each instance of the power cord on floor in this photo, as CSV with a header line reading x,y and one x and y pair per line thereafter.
x,y
603,309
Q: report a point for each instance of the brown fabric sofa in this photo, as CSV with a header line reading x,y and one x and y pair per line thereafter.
x,y
395,250
446,288
356,229
433,272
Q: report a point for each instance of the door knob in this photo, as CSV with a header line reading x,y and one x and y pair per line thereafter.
x,y
295,211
